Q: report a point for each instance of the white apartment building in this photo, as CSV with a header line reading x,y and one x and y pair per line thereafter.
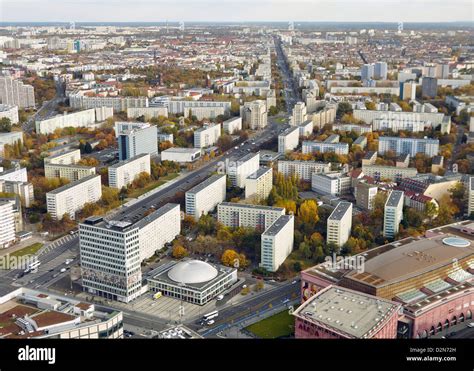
x,y
238,169
339,224
64,158
254,114
338,148
205,196
85,118
394,125
125,172
364,194
10,112
112,251
200,109
288,140
23,189
136,138
306,128
380,172
277,243
70,172
7,224
334,184
181,155
14,93
71,197
147,112
299,114
232,125
259,184
411,146
207,135
15,175
260,217
323,117
393,214
470,196
302,169
118,104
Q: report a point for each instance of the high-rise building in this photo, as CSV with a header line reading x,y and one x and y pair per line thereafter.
x,y
207,135
259,184
232,214
288,140
254,114
14,93
393,214
136,139
339,224
367,72
124,172
204,197
407,90
111,251
238,169
470,193
365,194
277,243
232,125
7,224
429,87
299,114
411,146
380,70
71,198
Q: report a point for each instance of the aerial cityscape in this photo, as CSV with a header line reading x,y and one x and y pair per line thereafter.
x,y
242,179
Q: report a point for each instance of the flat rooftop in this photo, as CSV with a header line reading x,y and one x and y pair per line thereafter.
x,y
261,171
250,206
394,198
278,225
411,259
182,150
206,183
340,211
347,311
131,159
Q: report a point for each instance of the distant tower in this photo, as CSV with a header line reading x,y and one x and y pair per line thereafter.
x,y
291,26
181,26
72,25
166,26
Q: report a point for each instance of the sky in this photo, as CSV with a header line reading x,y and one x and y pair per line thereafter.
x,y
236,10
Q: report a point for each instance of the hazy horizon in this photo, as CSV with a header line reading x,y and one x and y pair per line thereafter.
x,y
222,11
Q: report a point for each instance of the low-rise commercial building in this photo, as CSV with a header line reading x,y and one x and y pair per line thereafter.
x,y
181,155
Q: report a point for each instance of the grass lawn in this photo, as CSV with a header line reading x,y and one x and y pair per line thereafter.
x,y
278,325
28,250
138,192
281,120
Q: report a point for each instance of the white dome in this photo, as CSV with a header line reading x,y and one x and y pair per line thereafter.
x,y
192,271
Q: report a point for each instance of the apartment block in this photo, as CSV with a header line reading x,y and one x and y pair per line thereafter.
x,y
381,172
232,125
10,112
14,93
135,139
125,172
64,158
71,197
288,140
334,184
470,196
339,224
277,243
238,169
338,148
254,115
393,214
204,197
259,184
299,114
23,189
411,146
365,194
303,169
7,224
260,217
306,128
207,135
70,172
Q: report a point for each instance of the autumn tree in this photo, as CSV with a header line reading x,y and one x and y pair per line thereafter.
x,y
179,251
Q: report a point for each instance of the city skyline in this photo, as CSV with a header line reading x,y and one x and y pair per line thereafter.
x,y
233,11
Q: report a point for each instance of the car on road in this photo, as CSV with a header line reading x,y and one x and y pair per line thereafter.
x,y
220,297
62,270
471,325
211,322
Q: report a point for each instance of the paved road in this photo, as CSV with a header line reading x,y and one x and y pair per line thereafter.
x,y
291,91
259,303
